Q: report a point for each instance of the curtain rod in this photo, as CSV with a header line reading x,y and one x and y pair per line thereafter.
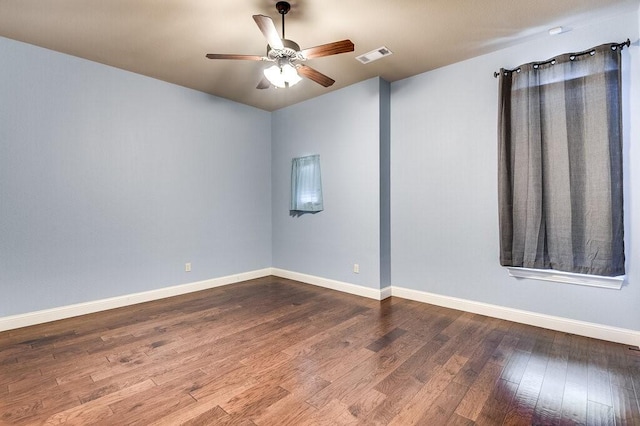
x,y
614,46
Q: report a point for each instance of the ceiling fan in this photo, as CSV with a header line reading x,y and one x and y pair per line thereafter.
x,y
286,55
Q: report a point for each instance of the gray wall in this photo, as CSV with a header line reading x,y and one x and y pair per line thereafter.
x,y
343,127
444,183
111,181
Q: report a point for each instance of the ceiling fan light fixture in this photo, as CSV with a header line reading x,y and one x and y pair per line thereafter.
x,y
286,54
282,76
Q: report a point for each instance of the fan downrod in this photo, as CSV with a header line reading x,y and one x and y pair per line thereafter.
x,y
283,7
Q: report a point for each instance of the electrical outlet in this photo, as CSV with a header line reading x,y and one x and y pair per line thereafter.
x,y
187,267
356,268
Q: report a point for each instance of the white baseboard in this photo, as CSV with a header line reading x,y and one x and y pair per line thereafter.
x,y
597,331
47,315
582,328
358,290
386,292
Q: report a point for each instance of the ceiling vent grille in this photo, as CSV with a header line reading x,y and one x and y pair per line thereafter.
x,y
374,55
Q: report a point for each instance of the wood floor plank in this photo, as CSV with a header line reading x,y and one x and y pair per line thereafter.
x,y
368,373
334,413
525,400
574,404
633,369
479,391
211,416
600,414
254,400
366,403
516,366
578,361
503,352
625,406
23,413
223,387
599,383
444,405
548,409
142,409
574,401
481,341
497,404
479,357
196,414
98,409
392,404
422,401
336,364
458,420
293,378
290,410
386,340
273,351
69,371
411,366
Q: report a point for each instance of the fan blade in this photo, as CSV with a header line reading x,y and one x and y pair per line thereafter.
x,y
264,84
269,31
334,48
314,75
231,56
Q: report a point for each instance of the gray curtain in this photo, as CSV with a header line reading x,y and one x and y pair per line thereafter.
x,y
560,164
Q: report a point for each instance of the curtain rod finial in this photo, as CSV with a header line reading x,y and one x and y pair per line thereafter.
x,y
496,74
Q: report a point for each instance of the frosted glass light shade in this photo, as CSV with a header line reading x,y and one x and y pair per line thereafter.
x,y
282,76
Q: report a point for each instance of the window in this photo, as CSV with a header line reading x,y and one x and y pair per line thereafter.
x,y
560,164
306,185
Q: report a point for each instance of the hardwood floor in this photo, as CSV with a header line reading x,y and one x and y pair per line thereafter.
x,y
276,352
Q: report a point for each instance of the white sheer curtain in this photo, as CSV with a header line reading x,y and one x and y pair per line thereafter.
x,y
306,185
560,164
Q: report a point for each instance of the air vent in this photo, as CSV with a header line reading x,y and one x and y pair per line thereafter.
x,y
374,55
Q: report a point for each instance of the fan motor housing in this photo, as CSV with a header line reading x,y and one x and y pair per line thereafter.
x,y
290,51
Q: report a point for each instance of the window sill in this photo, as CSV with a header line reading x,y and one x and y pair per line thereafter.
x,y
568,277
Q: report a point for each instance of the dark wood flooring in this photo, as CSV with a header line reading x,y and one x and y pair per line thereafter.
x,y
277,352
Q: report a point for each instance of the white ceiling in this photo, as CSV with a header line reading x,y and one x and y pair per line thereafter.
x,y
168,39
